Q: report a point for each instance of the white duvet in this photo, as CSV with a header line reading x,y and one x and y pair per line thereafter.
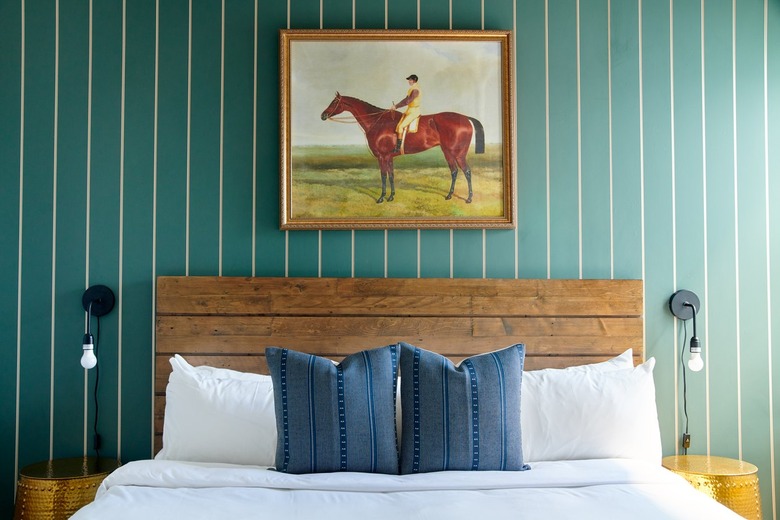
x,y
587,489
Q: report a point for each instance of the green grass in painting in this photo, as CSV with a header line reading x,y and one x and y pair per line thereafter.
x,y
333,182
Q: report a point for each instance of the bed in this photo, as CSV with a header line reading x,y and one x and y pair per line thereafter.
x,y
411,398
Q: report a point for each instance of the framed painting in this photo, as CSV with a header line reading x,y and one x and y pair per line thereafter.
x,y
397,129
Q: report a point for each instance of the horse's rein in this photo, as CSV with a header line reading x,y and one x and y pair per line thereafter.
x,y
342,119
353,119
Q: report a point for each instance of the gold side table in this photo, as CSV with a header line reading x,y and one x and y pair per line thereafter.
x,y
733,483
56,489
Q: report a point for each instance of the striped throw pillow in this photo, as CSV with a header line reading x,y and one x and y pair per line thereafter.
x,y
335,417
464,417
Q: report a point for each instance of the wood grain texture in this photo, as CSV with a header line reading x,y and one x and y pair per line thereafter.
x,y
397,297
227,322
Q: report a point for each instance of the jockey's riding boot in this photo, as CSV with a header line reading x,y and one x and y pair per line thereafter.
x,y
397,146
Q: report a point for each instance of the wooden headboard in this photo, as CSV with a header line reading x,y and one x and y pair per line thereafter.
x,y
228,322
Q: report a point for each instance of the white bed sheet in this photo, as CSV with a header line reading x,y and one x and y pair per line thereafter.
x,y
587,489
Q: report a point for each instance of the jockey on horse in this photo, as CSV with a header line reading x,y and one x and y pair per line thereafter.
x,y
410,117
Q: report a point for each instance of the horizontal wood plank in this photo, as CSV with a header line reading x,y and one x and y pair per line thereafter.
x,y
193,286
397,297
283,326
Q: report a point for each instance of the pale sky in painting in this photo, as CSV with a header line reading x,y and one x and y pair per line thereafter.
x,y
455,76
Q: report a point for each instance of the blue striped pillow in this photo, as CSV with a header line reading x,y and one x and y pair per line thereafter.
x,y
335,417
461,418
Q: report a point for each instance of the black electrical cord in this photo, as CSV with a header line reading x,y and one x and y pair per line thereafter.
x,y
685,386
96,436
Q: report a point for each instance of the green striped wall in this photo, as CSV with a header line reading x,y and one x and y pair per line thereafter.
x,y
141,139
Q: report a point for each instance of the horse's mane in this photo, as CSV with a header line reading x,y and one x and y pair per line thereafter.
x,y
368,106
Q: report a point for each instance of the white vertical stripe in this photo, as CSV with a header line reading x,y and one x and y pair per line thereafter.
x,y
675,357
254,147
705,232
385,256
89,177
547,121
153,339
418,14
88,212
121,233
642,172
221,131
386,19
579,145
611,170
769,269
54,221
189,143
19,248
736,221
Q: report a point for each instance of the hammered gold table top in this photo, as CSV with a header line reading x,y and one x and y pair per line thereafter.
x,y
708,465
76,467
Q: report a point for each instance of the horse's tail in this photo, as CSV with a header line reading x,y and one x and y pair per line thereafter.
x,y
479,139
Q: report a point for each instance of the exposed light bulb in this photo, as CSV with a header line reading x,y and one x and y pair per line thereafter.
x,y
88,359
695,363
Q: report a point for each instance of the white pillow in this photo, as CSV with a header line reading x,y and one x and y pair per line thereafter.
x,y
591,413
531,379
218,415
205,371
623,361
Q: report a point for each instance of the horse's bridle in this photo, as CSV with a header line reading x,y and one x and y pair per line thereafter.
x,y
336,107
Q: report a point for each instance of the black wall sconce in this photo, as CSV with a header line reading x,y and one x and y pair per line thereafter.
x,y
97,301
685,305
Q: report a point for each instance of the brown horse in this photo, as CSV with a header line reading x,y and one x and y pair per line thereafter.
x,y
449,130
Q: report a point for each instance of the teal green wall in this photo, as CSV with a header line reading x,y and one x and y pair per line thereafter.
x,y
647,147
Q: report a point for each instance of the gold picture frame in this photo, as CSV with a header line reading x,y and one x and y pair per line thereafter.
x,y
355,175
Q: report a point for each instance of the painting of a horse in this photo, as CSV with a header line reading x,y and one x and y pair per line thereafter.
x,y
449,130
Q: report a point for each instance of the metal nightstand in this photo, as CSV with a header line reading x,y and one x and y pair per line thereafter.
x,y
733,483
56,489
